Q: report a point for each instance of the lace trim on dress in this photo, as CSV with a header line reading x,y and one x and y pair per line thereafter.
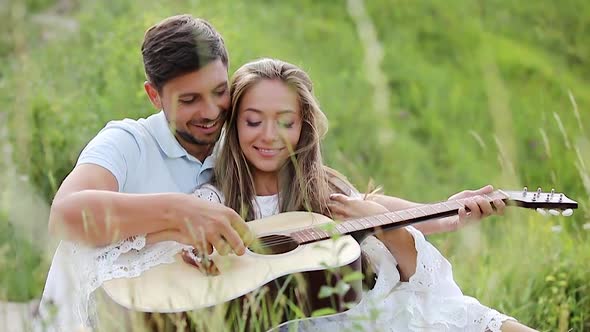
x,y
127,258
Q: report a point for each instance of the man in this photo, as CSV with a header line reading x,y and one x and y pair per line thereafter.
x,y
133,177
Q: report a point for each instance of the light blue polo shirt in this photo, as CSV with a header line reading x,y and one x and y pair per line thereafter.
x,y
145,157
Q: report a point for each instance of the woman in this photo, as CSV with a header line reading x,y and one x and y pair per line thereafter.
x,y
271,163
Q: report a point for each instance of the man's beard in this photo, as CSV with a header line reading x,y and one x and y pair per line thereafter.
x,y
189,138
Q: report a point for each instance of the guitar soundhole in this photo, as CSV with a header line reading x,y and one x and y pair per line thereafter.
x,y
273,245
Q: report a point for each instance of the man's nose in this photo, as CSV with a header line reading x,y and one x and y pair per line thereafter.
x,y
210,110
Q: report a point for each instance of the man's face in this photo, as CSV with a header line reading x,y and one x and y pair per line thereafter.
x,y
196,105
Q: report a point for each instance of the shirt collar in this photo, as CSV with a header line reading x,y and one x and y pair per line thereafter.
x,y
163,135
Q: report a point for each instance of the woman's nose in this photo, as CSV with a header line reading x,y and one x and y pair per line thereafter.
x,y
270,133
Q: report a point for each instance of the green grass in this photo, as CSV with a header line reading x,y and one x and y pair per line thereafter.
x,y
477,92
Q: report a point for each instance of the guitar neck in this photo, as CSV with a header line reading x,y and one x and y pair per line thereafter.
x,y
361,226
390,220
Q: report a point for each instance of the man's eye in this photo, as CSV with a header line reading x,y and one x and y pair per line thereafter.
x,y
221,92
187,100
253,123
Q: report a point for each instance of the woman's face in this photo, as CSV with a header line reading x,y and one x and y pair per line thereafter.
x,y
269,125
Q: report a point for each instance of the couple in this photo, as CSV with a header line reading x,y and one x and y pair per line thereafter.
x,y
128,204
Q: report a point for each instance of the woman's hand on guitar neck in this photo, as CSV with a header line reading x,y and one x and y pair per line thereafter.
x,y
479,208
345,207
398,240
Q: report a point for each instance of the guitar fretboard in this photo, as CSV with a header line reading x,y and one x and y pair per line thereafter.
x,y
389,220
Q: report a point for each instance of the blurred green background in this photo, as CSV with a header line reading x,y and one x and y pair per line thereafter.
x,y
425,98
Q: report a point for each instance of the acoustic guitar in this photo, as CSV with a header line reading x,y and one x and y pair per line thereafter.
x,y
320,258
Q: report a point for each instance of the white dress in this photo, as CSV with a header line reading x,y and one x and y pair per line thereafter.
x,y
429,301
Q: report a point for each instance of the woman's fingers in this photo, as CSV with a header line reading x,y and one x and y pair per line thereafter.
x,y
339,198
485,206
499,205
474,211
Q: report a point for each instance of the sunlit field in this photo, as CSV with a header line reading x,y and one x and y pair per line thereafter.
x,y
424,98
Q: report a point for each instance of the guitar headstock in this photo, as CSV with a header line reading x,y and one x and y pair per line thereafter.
x,y
541,200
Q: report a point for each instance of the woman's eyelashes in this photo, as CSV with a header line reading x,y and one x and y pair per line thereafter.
x,y
253,123
282,124
286,124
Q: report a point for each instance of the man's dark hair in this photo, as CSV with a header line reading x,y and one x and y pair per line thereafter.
x,y
179,45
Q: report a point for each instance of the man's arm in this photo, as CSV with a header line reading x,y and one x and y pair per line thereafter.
x,y
88,208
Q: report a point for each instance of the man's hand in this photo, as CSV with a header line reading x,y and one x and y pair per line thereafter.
x,y
206,225
344,207
479,207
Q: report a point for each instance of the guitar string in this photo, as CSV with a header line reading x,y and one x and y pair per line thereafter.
x,y
286,239
279,239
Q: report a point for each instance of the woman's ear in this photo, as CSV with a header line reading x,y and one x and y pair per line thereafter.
x,y
153,94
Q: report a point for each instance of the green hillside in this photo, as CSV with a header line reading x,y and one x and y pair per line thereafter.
x,y
425,98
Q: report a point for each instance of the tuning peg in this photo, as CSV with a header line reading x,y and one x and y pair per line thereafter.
x,y
554,212
567,212
542,212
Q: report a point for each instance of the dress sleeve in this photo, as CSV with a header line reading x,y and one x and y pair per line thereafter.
x,y
433,271
210,193
430,299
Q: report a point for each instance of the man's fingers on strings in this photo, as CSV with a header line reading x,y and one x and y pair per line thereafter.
x,y
196,237
241,227
234,240
220,244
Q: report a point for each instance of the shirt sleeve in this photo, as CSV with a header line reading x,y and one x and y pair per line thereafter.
x,y
115,149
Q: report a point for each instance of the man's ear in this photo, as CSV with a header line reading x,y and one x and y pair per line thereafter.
x,y
153,94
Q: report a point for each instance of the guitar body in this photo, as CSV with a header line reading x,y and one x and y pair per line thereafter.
x,y
289,281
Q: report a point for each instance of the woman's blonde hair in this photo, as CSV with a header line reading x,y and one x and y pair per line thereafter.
x,y
304,182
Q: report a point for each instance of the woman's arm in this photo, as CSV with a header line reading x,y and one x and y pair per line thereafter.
x,y
479,208
399,241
